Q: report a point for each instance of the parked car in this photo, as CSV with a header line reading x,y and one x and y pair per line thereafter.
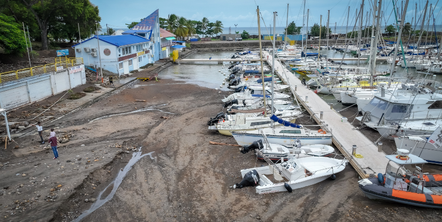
x,y
239,39
229,39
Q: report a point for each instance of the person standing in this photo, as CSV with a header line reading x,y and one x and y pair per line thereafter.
x,y
40,131
53,142
111,81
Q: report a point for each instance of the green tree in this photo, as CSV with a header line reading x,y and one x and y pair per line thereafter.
x,y
218,27
245,35
204,24
292,29
210,27
51,14
390,30
163,23
131,25
172,23
407,29
11,35
191,27
110,31
314,31
182,30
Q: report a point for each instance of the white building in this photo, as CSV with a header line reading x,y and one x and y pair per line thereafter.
x,y
166,43
119,54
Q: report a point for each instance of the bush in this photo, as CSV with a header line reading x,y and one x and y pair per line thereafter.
x,y
188,45
90,89
76,95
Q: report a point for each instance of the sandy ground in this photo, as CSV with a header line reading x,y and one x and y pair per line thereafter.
x,y
187,180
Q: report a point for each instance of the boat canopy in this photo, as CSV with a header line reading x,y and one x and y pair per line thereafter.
x,y
283,122
412,159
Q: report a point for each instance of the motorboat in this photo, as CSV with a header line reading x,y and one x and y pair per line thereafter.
x,y
287,134
404,182
292,174
275,152
418,145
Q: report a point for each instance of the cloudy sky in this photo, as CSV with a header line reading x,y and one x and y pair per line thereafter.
x,y
116,13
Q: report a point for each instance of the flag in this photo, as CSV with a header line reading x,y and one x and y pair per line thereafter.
x,y
436,138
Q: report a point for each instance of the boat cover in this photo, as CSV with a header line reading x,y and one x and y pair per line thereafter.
x,y
283,122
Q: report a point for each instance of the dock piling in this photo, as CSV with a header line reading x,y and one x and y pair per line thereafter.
x,y
321,114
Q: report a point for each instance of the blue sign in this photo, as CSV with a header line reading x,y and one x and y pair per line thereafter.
x,y
63,52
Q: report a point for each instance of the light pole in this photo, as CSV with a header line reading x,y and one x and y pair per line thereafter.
x,y
235,31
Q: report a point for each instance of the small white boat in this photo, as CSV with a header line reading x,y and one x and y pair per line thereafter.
x,y
275,152
285,135
293,174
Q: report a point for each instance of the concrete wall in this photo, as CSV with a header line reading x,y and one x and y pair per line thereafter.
x,y
31,89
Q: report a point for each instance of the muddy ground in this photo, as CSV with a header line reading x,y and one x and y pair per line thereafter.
x,y
187,180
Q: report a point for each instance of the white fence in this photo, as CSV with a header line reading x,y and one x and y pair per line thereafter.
x,y
31,89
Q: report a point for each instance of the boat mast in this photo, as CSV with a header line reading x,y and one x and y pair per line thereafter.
x,y
306,39
273,56
303,27
360,31
422,28
319,44
285,38
262,68
346,27
328,36
399,40
374,39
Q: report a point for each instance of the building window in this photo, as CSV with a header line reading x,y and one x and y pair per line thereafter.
x,y
139,59
120,65
130,62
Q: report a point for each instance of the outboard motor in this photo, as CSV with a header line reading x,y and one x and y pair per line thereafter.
x,y
255,145
232,76
229,103
241,89
251,178
215,120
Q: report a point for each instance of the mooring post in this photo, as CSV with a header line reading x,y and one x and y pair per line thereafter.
x,y
380,146
296,87
321,114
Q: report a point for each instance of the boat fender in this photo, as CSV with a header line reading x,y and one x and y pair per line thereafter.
x,y
288,187
333,177
381,178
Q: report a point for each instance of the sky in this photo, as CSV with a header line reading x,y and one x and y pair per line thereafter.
x,y
116,13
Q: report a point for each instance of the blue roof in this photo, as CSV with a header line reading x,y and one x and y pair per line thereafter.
x,y
178,46
119,40
179,41
146,25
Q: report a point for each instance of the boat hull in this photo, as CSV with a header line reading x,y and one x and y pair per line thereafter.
x,y
244,139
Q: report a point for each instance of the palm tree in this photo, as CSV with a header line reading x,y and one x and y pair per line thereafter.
x,y
190,25
204,24
218,27
172,22
181,30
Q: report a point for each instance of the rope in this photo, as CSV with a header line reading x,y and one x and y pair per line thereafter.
x,y
346,108
51,105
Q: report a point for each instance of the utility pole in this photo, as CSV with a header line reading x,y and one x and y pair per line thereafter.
x,y
27,49
29,38
99,53
79,34
235,31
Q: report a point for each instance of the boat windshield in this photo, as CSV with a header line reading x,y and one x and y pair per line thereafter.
x,y
395,171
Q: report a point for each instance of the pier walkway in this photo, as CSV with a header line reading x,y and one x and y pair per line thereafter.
x,y
345,136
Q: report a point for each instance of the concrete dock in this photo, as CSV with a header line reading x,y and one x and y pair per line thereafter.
x,y
345,136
